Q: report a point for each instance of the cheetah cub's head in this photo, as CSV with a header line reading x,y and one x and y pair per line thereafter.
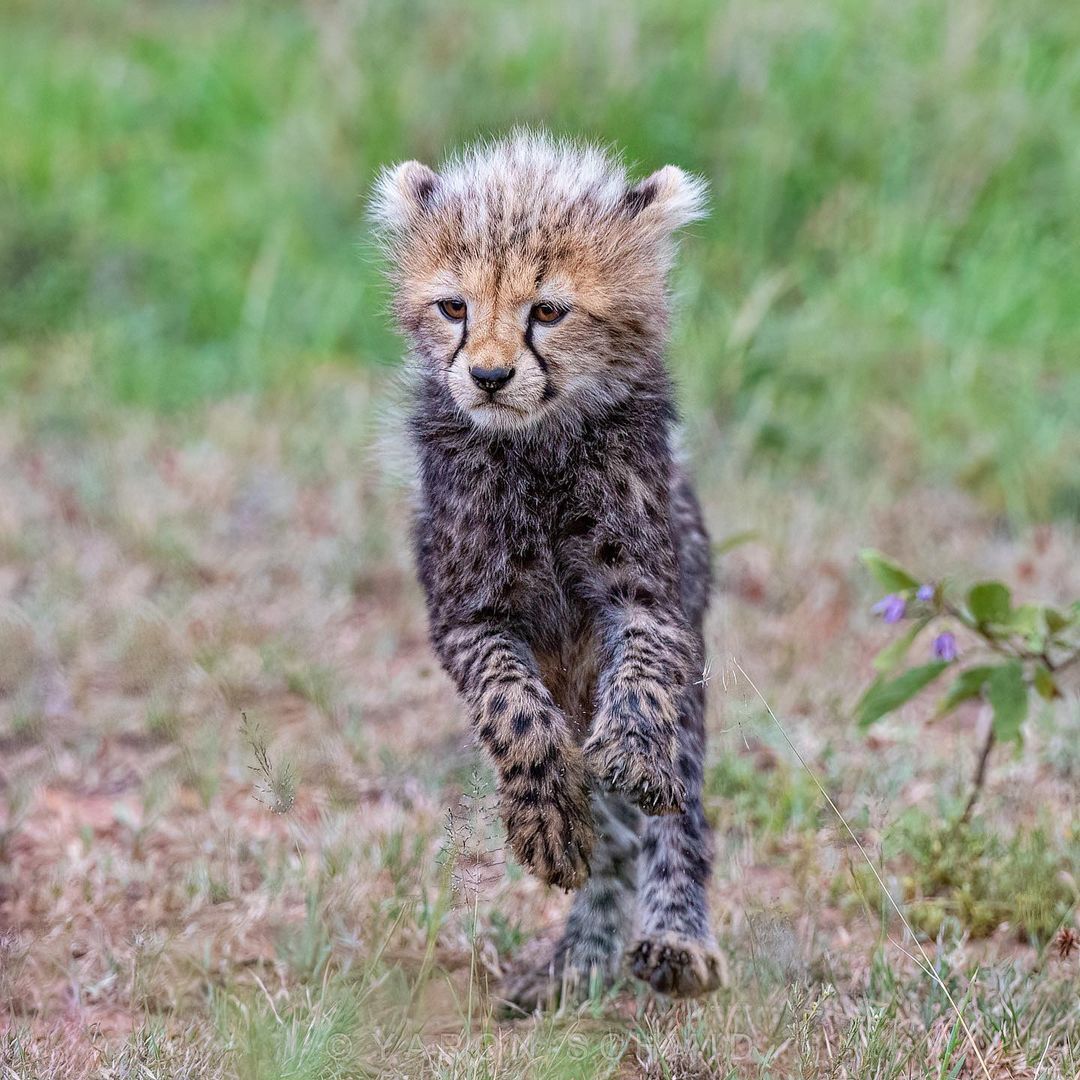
x,y
531,274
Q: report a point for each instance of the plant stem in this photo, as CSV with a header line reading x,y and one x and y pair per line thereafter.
x,y
980,774
1061,665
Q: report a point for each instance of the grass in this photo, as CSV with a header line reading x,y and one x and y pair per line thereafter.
x,y
887,274
968,880
243,833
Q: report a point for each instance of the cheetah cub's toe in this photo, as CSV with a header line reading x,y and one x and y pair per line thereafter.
x,y
677,966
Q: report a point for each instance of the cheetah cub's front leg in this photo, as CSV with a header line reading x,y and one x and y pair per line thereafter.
x,y
634,743
543,787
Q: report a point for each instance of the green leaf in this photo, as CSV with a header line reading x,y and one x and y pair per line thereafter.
x,y
887,573
1044,684
1029,621
1025,619
887,696
891,656
990,602
969,684
1008,694
1055,621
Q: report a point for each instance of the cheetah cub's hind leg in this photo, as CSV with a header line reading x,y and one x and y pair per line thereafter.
x,y
675,952
588,958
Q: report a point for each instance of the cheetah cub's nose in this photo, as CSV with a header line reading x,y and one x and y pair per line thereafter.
x,y
491,379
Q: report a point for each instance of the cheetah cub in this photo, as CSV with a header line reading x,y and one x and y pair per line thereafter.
x,y
559,544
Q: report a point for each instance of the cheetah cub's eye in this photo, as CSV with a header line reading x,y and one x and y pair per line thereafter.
x,y
547,313
453,309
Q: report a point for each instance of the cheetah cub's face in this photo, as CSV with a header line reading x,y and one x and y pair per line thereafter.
x,y
531,274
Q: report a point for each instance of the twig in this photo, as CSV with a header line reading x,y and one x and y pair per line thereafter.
x,y
1061,665
980,774
998,645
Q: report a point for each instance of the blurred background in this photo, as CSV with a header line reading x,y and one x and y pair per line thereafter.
x,y
888,272
236,793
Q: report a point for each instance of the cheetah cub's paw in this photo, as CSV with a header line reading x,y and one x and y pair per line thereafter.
x,y
676,965
645,775
546,980
632,750
532,981
547,987
530,990
550,826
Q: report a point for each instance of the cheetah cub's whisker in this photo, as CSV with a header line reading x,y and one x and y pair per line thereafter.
x,y
559,543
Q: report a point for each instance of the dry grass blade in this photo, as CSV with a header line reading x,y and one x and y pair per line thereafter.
x,y
926,964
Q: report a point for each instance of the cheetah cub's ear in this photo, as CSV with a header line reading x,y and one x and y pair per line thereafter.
x,y
402,193
668,199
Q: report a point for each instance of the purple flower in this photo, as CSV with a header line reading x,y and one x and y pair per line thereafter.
x,y
891,608
945,647
926,592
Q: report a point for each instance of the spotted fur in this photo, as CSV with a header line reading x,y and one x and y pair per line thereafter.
x,y
560,547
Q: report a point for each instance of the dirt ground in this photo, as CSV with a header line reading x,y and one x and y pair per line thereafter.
x,y
240,811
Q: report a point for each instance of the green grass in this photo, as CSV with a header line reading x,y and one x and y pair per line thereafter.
x,y
888,277
959,879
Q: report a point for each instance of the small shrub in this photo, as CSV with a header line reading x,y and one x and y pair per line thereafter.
x,y
1015,650
981,881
